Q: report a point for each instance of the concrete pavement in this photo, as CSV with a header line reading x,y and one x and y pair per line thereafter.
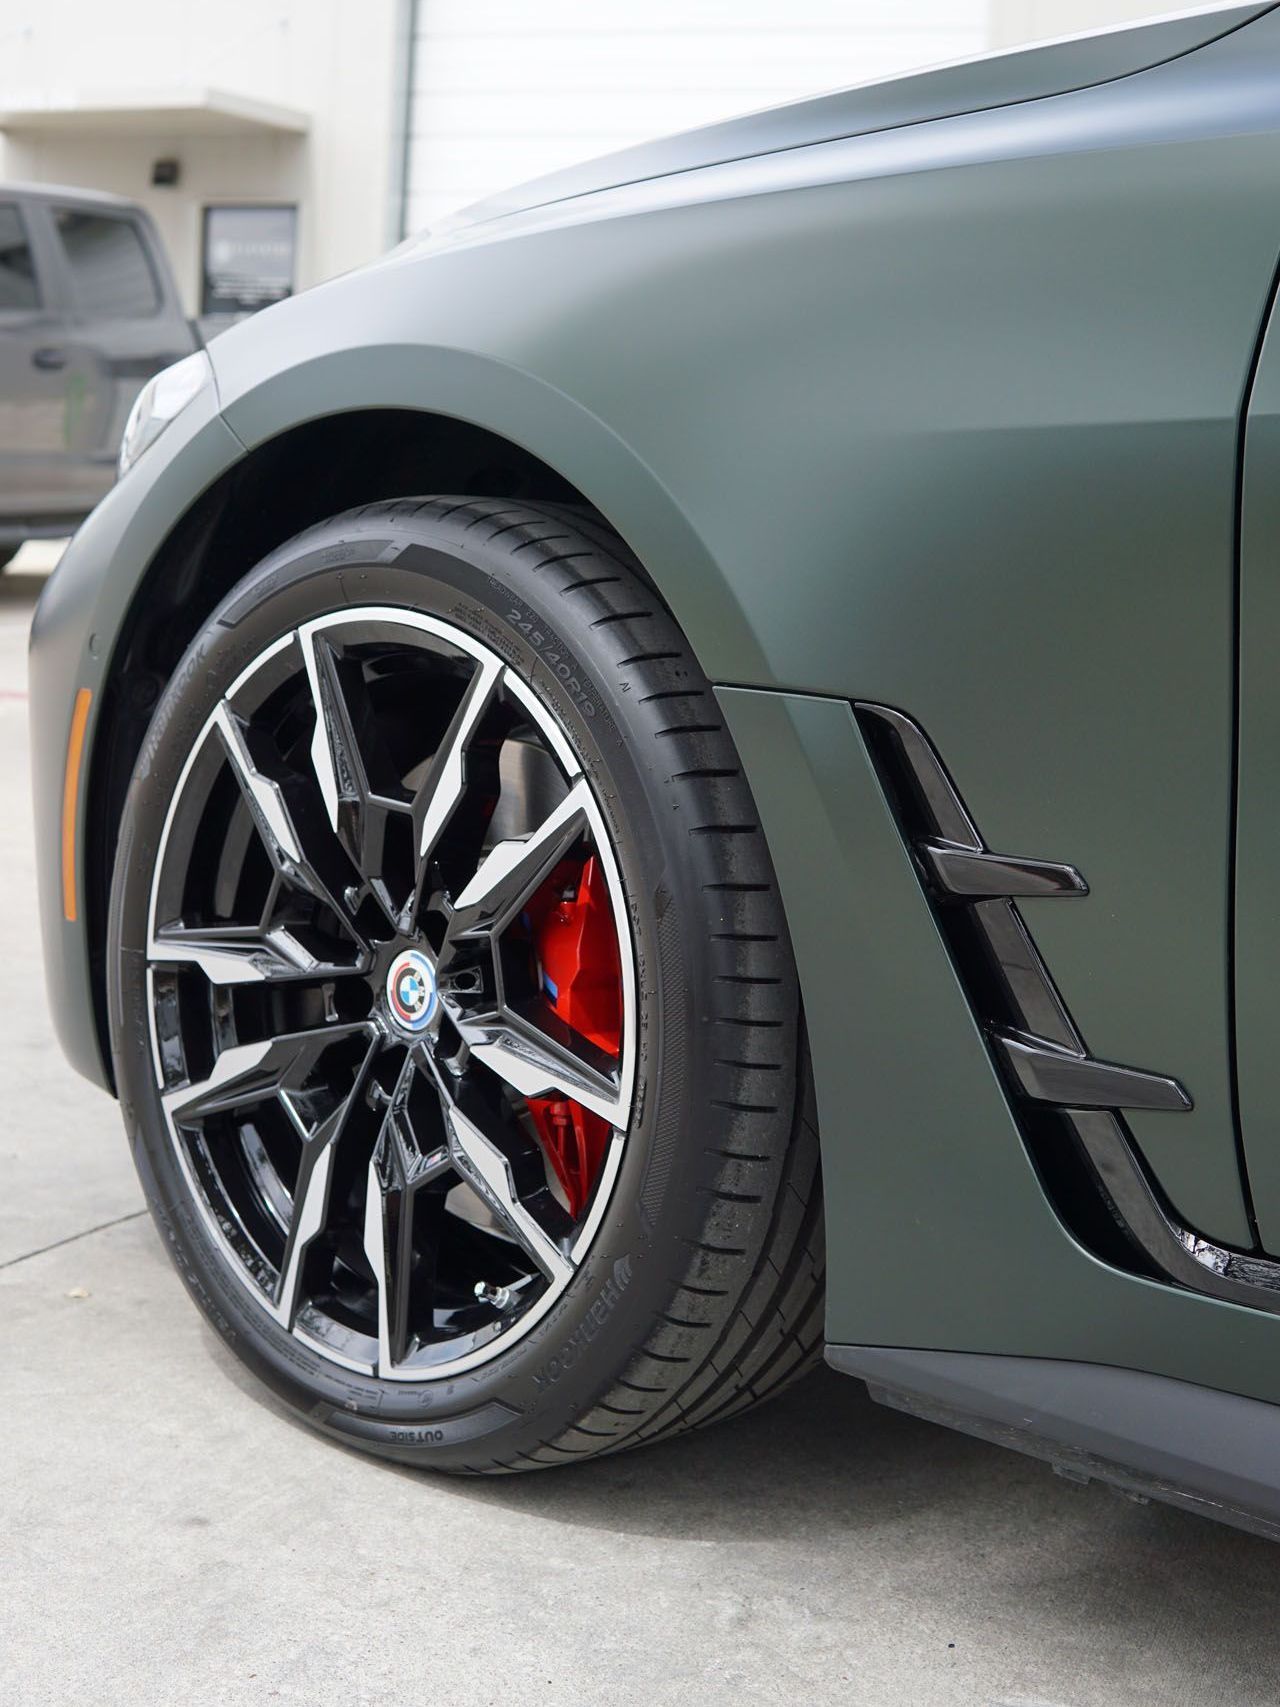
x,y
168,1534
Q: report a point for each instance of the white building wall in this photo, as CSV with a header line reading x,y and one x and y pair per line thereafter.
x,y
214,169
332,59
508,89
1015,21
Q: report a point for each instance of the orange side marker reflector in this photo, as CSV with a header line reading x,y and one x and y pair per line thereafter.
x,y
70,800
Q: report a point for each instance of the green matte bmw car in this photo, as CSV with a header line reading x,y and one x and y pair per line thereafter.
x,y
727,695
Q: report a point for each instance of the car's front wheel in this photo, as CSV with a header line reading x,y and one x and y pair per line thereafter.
x,y
454,1016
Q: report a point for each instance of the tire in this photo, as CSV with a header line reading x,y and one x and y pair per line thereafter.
x,y
700,1291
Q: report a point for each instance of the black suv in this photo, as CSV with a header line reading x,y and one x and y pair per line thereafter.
x,y
88,312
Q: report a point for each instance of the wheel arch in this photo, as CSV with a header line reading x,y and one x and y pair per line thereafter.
x,y
368,452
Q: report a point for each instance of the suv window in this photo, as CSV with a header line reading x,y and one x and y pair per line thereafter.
x,y
18,287
111,277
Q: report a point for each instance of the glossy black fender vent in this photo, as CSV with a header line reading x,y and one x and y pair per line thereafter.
x,y
974,893
1067,1101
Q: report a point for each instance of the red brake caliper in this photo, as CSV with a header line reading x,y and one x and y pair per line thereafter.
x,y
576,942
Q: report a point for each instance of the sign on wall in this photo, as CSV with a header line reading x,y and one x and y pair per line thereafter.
x,y
247,258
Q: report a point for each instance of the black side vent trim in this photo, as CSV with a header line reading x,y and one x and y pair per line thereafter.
x,y
1050,1074
1032,1035
1240,1277
973,873
1067,1101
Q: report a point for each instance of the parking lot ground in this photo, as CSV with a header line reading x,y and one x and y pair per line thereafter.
x,y
168,1534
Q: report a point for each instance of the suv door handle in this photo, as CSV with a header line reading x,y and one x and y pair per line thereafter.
x,y
49,358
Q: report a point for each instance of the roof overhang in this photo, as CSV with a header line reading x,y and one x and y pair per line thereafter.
x,y
178,112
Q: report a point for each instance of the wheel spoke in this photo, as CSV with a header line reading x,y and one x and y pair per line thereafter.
x,y
443,786
245,1073
404,1160
243,954
356,779
296,840
263,795
311,1193
488,1171
513,870
537,1066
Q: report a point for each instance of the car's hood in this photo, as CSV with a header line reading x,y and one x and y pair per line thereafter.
x,y
968,86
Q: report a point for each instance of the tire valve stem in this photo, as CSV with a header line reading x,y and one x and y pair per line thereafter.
x,y
498,1296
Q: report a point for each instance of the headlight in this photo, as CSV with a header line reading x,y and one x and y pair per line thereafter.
x,y
162,399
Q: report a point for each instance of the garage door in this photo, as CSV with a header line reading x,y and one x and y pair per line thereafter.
x,y
503,90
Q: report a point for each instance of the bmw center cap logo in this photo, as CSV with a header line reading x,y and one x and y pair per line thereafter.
x,y
411,990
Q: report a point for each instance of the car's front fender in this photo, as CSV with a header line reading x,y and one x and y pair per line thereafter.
x,y
505,398
73,635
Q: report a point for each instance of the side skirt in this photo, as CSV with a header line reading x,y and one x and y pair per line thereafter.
x,y
1147,1436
